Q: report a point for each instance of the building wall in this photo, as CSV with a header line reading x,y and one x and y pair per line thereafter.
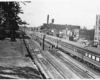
x,y
97,29
86,34
61,28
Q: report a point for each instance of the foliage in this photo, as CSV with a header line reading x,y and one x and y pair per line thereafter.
x,y
9,18
85,28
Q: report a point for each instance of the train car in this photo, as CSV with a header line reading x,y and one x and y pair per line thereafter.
x,y
92,57
58,42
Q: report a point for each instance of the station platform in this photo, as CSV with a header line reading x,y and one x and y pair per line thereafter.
x,y
13,63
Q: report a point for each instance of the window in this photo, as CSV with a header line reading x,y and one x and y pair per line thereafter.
x,y
86,54
89,55
97,59
74,49
93,57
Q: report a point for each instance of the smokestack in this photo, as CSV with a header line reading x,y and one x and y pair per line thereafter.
x,y
52,21
47,19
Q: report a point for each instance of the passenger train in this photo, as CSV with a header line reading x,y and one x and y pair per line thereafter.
x,y
87,54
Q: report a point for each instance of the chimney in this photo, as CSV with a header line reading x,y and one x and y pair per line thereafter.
x,y
52,21
47,19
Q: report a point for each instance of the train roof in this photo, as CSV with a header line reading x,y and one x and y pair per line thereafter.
x,y
92,50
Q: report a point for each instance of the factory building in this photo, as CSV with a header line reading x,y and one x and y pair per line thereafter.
x,y
86,34
59,30
97,29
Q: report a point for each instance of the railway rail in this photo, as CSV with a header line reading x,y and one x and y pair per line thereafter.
x,y
61,71
72,66
48,67
94,75
84,67
76,69
80,73
54,74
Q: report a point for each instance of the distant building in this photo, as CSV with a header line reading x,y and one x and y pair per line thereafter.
x,y
97,29
76,33
86,34
58,28
67,31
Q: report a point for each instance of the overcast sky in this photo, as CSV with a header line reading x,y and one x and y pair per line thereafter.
x,y
74,12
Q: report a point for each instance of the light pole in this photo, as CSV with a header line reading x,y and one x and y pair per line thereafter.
x,y
24,33
57,43
43,41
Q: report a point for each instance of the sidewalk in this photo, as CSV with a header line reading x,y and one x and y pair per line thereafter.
x,y
14,64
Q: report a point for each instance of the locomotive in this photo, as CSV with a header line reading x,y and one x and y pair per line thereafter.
x,y
89,55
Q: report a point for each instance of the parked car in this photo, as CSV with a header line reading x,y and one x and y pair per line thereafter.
x,y
93,43
83,41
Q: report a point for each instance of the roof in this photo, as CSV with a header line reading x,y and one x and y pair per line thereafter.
x,y
61,27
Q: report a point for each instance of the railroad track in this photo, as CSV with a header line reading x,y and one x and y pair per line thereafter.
x,y
64,71
48,67
61,71
53,73
69,64
55,66
73,67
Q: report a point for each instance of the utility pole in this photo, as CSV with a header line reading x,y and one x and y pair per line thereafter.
x,y
43,41
24,33
24,28
57,43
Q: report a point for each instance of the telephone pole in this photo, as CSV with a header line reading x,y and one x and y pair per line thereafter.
x,y
43,41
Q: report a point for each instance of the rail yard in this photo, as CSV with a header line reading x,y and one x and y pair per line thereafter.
x,y
61,62
50,39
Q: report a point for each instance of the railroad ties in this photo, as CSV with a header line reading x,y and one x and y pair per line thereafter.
x,y
53,65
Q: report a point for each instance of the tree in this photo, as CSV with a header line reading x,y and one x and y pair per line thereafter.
x,y
9,15
85,28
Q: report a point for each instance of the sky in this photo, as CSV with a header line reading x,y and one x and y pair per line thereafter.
x,y
70,12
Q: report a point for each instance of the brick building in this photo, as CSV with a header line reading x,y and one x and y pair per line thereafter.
x,y
58,28
86,34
